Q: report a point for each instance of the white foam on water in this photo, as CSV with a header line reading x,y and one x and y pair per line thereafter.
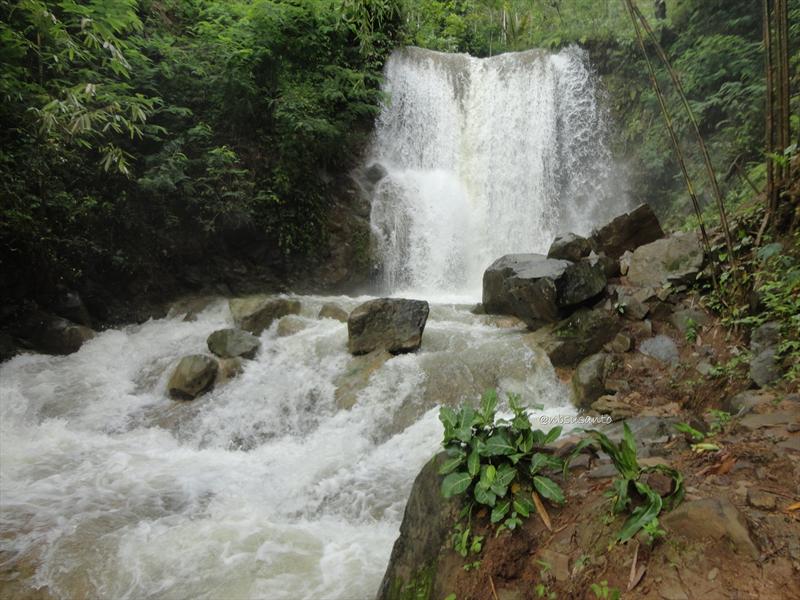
x,y
262,488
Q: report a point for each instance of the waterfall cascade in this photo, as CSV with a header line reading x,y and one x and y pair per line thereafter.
x,y
485,157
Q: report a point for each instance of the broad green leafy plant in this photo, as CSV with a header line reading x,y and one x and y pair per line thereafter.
x,y
629,490
497,462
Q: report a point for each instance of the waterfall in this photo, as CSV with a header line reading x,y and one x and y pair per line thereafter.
x,y
485,157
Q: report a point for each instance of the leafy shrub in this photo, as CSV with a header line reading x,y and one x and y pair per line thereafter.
x,y
496,462
629,491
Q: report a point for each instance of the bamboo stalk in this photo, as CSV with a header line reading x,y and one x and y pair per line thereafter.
x,y
770,133
670,128
712,175
782,27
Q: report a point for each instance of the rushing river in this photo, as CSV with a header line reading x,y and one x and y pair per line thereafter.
x,y
263,488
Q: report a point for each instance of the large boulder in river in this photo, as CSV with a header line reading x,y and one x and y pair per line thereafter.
x,y
331,310
427,525
676,259
230,343
628,232
391,324
54,335
569,247
194,375
576,337
536,288
256,313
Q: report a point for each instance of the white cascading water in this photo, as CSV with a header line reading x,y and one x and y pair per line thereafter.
x,y
289,481
485,157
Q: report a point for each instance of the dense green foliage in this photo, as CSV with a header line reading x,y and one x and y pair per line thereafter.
x,y
498,462
141,135
630,492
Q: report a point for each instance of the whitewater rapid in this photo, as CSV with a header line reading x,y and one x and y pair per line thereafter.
x,y
263,488
486,157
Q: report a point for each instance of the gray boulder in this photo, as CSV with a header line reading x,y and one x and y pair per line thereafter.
x,y
628,232
711,519
194,375
660,347
230,343
70,306
391,324
765,368
686,318
674,260
290,325
569,247
536,288
425,530
583,333
330,310
256,313
54,335
588,380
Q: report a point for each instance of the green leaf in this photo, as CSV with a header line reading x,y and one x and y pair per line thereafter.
x,y
549,489
448,416
505,475
485,496
498,445
455,483
488,474
524,506
474,462
450,465
488,406
641,514
500,511
538,462
552,435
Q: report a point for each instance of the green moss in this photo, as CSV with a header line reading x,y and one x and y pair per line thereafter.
x,y
420,587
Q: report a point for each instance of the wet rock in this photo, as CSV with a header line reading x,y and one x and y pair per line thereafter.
x,y
622,342
8,348
289,325
765,365
330,310
569,247
375,172
536,288
256,313
580,335
641,329
659,482
603,471
628,232
524,285
710,519
676,259
760,500
765,336
54,335
660,347
426,527
747,400
230,343
581,281
588,378
192,376
752,422
617,385
228,369
356,377
609,265
391,324
70,306
614,407
630,307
